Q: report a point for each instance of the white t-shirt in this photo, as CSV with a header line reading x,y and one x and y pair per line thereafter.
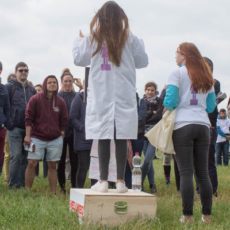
x,y
224,125
191,107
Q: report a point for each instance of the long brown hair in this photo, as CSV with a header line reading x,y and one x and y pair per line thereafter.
x,y
110,24
198,70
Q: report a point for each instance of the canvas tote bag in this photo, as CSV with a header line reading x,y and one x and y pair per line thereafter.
x,y
160,136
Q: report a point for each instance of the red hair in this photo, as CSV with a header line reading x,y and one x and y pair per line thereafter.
x,y
198,70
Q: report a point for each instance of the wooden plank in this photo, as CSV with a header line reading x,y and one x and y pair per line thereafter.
x,y
112,192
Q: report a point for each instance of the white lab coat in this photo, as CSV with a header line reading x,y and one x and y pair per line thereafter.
x,y
111,92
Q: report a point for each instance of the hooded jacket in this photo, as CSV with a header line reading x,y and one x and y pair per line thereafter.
x,y
77,120
18,102
68,98
4,107
47,116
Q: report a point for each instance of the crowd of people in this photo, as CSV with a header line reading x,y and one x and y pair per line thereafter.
x,y
60,121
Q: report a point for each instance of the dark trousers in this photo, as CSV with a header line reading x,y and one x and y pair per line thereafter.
x,y
83,166
177,174
2,144
45,167
73,162
222,147
191,144
211,162
104,157
137,146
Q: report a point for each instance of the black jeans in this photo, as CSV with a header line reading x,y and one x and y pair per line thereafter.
x,y
191,144
177,174
83,167
73,162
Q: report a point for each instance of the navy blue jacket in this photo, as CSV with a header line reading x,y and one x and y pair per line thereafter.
x,y
77,120
19,102
142,113
4,107
68,98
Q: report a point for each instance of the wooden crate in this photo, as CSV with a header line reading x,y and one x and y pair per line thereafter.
x,y
106,208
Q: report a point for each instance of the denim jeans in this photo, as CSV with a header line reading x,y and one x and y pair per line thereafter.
x,y
222,147
137,146
18,157
147,166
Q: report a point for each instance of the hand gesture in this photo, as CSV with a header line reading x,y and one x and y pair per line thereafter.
x,y
164,110
77,82
81,35
165,87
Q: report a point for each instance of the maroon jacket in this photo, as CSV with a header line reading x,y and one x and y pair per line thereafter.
x,y
47,116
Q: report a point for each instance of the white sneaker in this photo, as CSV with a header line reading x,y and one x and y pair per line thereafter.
x,y
121,187
100,187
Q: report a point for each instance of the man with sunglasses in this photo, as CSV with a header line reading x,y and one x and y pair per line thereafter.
x,y
4,116
20,93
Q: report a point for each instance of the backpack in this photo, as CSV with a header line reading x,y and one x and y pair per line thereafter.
x,y
12,91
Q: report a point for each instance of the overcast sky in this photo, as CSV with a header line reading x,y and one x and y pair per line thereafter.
x,y
41,33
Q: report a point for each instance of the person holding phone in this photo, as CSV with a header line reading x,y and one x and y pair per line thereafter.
x,y
113,52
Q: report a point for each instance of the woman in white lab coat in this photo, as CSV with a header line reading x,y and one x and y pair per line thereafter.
x,y
113,53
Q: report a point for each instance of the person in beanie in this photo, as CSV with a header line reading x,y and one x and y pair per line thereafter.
x,y
46,121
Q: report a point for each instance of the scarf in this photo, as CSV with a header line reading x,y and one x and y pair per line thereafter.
x,y
152,100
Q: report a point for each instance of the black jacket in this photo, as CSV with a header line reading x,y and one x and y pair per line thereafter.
x,y
4,107
152,118
18,102
68,98
77,120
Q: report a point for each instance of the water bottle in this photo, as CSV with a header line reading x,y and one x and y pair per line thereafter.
x,y
136,173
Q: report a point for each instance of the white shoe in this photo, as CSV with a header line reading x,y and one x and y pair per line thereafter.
x,y
121,187
100,187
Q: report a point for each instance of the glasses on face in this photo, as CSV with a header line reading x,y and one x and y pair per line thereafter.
x,y
23,70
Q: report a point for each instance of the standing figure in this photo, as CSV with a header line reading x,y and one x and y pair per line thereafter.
x,y
46,122
4,117
68,95
191,130
20,93
111,111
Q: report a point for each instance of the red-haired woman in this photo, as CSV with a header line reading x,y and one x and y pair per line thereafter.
x,y
191,130
113,53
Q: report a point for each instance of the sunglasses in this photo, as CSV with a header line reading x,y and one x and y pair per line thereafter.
x,y
23,70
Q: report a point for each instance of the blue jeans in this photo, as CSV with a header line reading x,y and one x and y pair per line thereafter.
x,y
222,147
147,166
18,157
137,146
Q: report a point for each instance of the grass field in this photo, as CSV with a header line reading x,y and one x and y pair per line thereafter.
x,y
38,209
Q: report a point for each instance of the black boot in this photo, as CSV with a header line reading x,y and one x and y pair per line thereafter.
x,y
153,188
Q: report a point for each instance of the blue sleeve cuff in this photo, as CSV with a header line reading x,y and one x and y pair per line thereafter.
x,y
211,102
171,97
220,132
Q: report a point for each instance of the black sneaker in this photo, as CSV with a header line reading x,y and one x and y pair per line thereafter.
x,y
153,188
167,183
215,194
62,191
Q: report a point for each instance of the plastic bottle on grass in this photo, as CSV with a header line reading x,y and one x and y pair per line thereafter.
x,y
136,173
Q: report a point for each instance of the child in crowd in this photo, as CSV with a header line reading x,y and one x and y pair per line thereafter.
x,y
222,143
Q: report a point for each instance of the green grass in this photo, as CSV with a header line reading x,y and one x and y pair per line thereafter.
x,y
38,209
